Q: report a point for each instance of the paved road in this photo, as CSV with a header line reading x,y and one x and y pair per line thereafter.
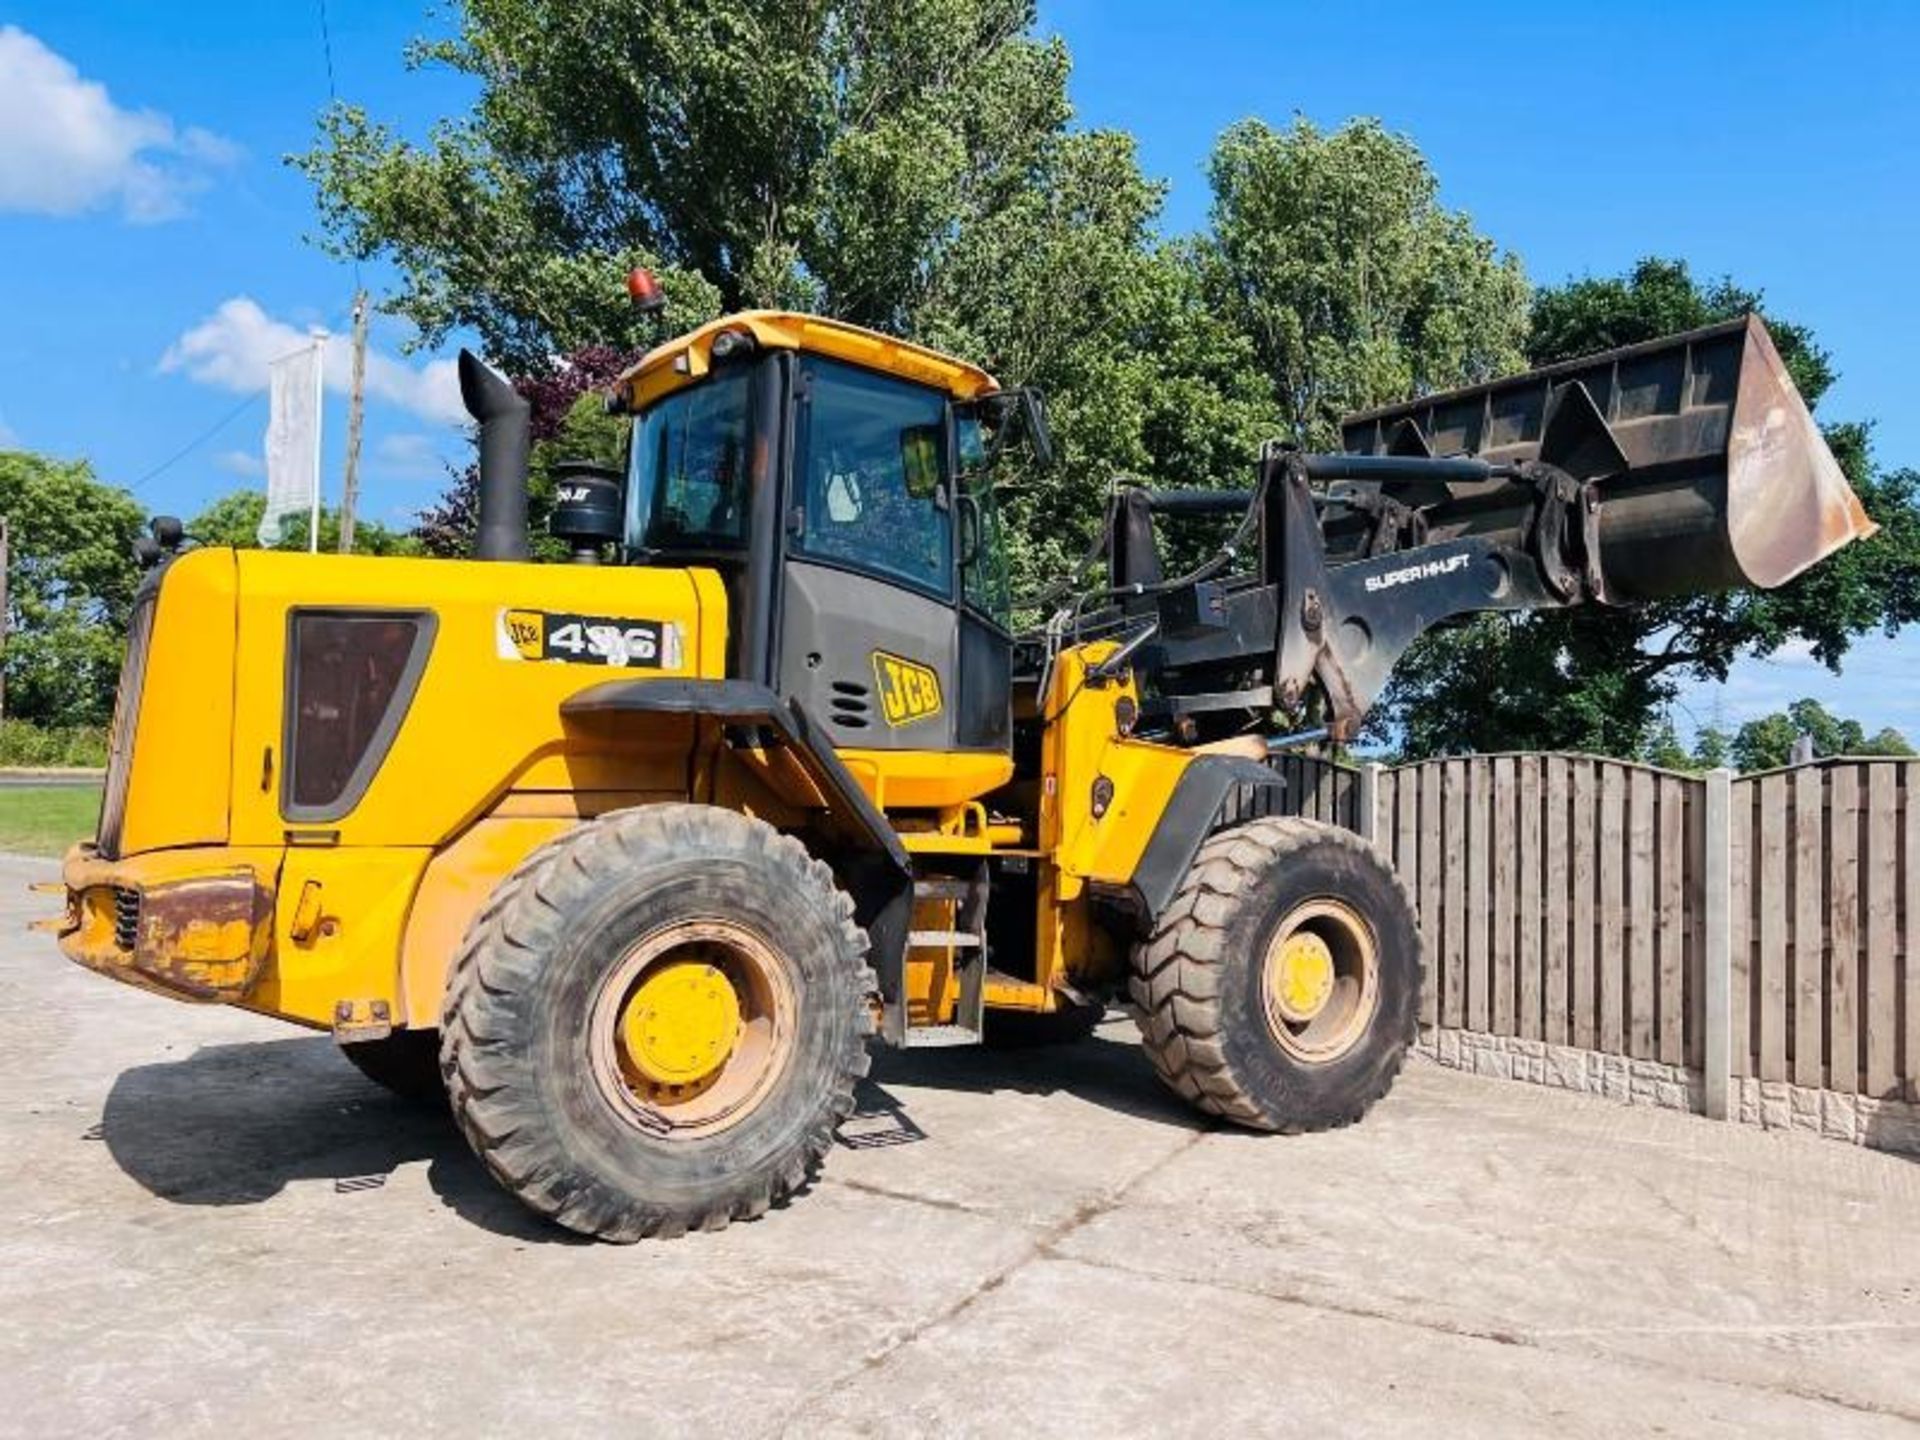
x,y
210,1224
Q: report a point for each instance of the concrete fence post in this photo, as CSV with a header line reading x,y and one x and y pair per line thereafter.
x,y
1368,802
1717,982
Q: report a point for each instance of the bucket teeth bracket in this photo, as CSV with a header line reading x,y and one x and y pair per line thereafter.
x,y
1577,438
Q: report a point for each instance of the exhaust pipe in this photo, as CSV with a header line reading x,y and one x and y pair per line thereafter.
x,y
1710,472
505,421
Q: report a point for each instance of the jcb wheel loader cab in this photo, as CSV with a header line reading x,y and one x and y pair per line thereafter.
x,y
820,470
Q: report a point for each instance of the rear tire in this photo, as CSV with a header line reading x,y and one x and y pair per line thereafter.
x,y
1281,987
549,1036
407,1062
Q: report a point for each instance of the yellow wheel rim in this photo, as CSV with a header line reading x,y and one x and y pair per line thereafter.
x,y
681,1022
693,1028
1303,976
1322,981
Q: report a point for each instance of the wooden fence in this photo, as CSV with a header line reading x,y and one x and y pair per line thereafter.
x,y
1764,927
1825,926
1321,790
1554,892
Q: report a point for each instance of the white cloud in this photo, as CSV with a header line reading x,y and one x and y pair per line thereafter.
x,y
66,148
9,437
241,462
233,347
1794,653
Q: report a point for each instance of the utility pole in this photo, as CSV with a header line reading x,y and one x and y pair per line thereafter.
x,y
355,406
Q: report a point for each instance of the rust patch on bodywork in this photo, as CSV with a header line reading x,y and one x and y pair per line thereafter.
x,y
200,937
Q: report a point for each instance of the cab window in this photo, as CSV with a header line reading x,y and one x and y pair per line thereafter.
x,y
983,550
687,486
870,468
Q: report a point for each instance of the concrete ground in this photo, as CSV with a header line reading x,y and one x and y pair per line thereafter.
x,y
209,1223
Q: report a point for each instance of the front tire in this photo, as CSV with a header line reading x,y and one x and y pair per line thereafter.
x,y
657,1023
1281,987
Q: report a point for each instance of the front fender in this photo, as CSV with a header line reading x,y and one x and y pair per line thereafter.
x,y
1213,791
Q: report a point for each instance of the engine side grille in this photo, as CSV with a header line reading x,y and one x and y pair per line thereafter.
x,y
126,712
126,917
849,706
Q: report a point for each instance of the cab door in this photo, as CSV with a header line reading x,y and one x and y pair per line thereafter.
x,y
872,639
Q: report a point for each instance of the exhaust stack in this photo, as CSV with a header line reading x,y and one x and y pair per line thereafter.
x,y
505,421
1709,469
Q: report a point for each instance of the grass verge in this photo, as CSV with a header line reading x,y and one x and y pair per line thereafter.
x,y
46,819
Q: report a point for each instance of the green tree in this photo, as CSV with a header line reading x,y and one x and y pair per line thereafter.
x,y
71,581
1764,744
1654,299
1666,751
1712,748
234,519
1066,288
1354,286
1768,742
1595,679
906,166
823,153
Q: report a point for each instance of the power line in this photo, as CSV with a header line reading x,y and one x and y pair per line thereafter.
x,y
326,46
333,97
228,418
198,440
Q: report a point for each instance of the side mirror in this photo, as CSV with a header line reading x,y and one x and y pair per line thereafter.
x,y
1033,414
1002,415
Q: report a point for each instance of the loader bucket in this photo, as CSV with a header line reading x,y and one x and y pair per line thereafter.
x,y
1710,471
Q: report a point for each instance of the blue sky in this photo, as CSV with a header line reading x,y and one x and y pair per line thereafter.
x,y
155,248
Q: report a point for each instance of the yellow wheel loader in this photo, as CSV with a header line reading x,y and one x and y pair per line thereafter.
x,y
633,860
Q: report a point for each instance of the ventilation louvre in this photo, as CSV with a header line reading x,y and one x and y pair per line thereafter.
x,y
849,705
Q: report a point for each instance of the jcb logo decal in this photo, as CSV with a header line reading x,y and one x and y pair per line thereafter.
x,y
908,691
527,630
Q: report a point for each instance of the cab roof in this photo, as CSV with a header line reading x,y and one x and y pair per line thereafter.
x,y
687,358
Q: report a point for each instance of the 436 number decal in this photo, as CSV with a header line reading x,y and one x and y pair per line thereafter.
x,y
589,639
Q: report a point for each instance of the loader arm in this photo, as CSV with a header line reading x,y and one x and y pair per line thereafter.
x,y
1684,465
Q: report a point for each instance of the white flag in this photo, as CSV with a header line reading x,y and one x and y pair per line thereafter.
x,y
293,438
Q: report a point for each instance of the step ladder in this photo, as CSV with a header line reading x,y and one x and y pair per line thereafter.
x,y
968,942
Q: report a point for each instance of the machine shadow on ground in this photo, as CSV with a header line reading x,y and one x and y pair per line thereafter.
x,y
236,1124
1105,1069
